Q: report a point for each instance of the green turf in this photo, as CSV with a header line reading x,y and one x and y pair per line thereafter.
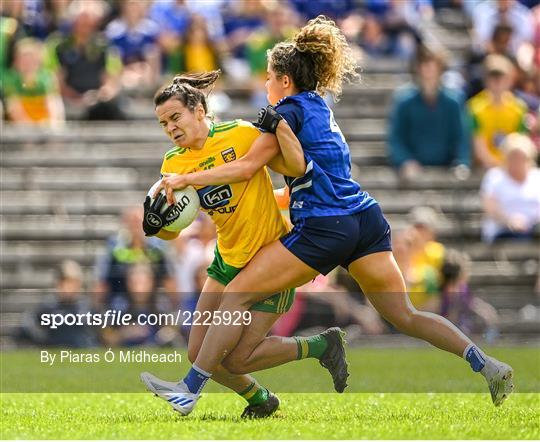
x,y
303,416
375,415
375,370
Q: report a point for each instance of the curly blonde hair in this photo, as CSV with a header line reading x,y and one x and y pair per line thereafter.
x,y
318,58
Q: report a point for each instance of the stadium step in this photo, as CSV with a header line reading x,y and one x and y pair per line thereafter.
x,y
38,252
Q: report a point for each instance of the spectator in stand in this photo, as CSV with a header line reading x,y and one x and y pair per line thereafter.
x,y
37,18
401,22
68,299
475,64
31,91
427,124
488,14
211,11
191,250
375,42
140,284
11,31
528,90
174,17
278,26
88,69
42,17
511,193
135,38
457,302
336,10
495,111
130,246
241,19
536,40
197,52
421,275
426,257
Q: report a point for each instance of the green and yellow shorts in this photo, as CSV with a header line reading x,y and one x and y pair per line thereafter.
x,y
224,273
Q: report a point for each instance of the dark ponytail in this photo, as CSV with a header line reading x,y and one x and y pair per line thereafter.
x,y
190,89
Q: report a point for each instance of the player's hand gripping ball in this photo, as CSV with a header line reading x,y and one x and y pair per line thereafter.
x,y
173,218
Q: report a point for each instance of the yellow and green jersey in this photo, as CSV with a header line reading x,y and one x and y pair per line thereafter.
x,y
493,121
32,96
246,213
423,279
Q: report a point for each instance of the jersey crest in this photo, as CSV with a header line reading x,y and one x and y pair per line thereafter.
x,y
228,155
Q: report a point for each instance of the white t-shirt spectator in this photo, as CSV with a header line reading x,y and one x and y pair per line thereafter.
x,y
513,198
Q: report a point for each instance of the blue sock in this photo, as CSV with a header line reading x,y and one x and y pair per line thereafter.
x,y
196,379
475,357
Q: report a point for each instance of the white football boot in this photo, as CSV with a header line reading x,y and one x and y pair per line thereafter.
x,y
499,377
176,394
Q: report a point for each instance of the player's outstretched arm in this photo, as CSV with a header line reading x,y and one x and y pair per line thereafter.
x,y
262,151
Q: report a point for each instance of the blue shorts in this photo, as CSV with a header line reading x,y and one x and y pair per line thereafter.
x,y
326,242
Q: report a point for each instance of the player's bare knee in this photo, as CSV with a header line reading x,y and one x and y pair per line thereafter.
x,y
403,320
235,300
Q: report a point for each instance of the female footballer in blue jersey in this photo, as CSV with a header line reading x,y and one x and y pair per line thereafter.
x,y
336,223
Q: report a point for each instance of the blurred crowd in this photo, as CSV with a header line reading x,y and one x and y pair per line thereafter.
x,y
80,58
139,275
83,56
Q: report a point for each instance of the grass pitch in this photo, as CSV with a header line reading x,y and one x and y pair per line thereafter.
x,y
358,415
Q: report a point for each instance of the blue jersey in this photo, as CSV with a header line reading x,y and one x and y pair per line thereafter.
x,y
133,44
327,188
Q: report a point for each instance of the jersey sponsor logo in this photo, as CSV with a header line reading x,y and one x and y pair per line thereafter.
x,y
228,155
215,196
297,205
208,162
222,210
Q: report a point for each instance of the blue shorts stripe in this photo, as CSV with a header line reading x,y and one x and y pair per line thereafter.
x,y
294,236
292,240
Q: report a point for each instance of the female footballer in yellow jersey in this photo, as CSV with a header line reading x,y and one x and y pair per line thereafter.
x,y
246,216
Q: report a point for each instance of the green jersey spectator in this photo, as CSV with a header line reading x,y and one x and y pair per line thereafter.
x,y
31,91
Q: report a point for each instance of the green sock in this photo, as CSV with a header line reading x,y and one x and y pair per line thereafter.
x,y
254,394
311,347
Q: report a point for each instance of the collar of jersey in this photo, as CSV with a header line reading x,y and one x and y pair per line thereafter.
x,y
211,131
